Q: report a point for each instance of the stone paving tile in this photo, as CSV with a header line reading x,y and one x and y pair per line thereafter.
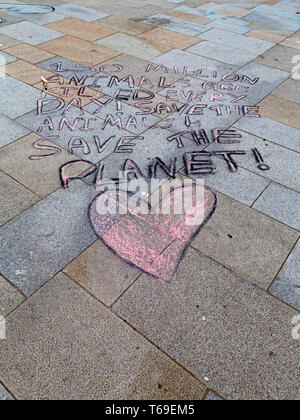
x,y
289,90
192,18
68,69
271,130
222,53
283,163
47,237
7,19
211,396
10,131
121,24
29,53
132,46
107,283
10,298
76,50
278,57
293,41
114,361
79,12
6,58
39,19
229,26
219,36
86,147
169,39
281,110
25,72
287,284
266,36
81,29
212,323
243,186
30,33
39,175
245,241
5,395
12,90
14,198
7,42
282,204
194,62
176,25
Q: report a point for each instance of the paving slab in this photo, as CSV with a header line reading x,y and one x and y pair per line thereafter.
x,y
124,25
176,25
222,53
15,198
6,58
278,57
22,161
282,204
192,18
10,298
29,53
79,12
245,241
62,321
254,46
293,41
287,284
43,240
283,163
169,39
7,42
281,110
289,90
266,36
271,130
25,72
5,395
10,131
38,19
213,323
130,45
30,33
81,29
106,283
211,396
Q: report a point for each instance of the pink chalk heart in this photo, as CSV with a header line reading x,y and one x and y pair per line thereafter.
x,y
154,243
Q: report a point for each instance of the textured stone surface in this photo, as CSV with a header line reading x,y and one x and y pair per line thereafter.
x,y
281,204
43,240
211,396
287,284
62,322
14,198
10,131
124,25
101,273
245,241
84,13
278,57
30,33
281,110
10,298
169,39
25,72
289,90
29,53
176,25
212,323
5,395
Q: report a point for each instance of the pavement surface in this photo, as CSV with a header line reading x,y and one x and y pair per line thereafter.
x,y
138,307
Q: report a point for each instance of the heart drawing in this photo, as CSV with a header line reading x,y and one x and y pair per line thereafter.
x,y
154,243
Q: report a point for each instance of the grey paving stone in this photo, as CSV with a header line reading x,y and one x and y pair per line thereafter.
x,y
6,58
271,130
282,204
240,42
289,90
5,395
228,25
211,396
194,62
278,57
8,42
176,25
10,298
30,33
10,131
221,53
245,241
287,284
283,163
44,239
16,101
67,68
39,19
66,137
7,19
212,323
14,198
243,186
62,322
83,13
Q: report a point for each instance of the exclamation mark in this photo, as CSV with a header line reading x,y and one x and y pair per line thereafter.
x,y
188,122
259,159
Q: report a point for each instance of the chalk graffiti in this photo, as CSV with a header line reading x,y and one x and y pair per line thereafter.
x,y
296,70
26,9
